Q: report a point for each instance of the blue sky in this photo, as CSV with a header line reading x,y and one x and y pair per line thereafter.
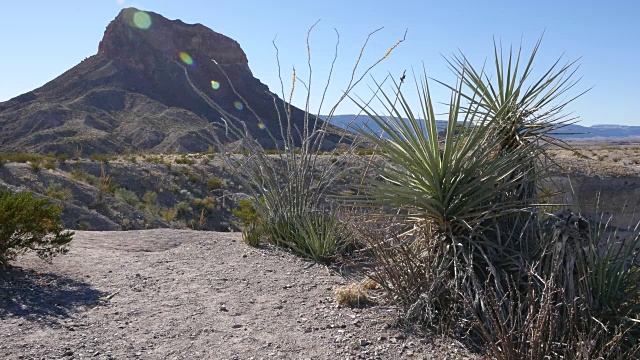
x,y
40,39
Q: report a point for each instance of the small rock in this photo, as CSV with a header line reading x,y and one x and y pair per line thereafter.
x,y
364,342
236,326
224,308
68,353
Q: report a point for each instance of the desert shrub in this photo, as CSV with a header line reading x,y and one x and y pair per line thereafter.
x,y
289,185
208,204
62,158
56,191
105,184
474,243
20,157
35,166
319,236
183,209
215,183
251,223
150,198
168,214
28,223
83,176
193,177
185,161
365,152
127,196
99,158
49,164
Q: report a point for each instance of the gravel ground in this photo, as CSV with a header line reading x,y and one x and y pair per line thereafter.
x,y
175,294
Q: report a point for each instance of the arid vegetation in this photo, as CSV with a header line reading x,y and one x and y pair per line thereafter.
x,y
456,224
467,231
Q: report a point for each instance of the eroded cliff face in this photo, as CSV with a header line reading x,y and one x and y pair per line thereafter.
x,y
143,91
137,35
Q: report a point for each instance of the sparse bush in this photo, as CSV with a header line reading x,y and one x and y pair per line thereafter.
x,y
127,196
207,204
28,223
105,184
35,166
215,183
49,164
185,161
193,178
62,158
168,214
19,157
251,223
81,175
150,198
363,152
56,191
99,158
183,209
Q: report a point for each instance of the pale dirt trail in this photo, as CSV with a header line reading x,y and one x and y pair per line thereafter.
x,y
175,294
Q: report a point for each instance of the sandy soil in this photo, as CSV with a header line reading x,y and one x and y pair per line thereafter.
x,y
172,294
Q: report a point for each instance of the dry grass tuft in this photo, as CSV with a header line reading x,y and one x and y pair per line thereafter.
x,y
369,284
352,295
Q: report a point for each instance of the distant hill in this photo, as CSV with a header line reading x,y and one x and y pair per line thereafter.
x,y
354,122
133,95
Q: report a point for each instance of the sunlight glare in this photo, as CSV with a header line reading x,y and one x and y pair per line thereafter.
x,y
186,58
142,20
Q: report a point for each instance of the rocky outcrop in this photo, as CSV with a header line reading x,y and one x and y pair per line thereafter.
x,y
134,95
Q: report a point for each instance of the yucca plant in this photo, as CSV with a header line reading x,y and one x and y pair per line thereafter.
x,y
475,192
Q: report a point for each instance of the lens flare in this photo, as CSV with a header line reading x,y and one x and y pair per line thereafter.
x,y
186,58
215,85
238,105
142,20
261,125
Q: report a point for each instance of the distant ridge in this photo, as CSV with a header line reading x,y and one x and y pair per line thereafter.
x,y
355,122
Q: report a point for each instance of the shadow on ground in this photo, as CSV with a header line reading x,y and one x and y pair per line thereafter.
x,y
42,297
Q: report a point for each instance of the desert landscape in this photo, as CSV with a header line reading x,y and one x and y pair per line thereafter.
x,y
158,201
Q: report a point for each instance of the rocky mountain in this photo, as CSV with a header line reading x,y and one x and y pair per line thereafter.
x,y
134,95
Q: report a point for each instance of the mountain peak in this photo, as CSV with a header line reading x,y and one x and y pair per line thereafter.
x,y
144,91
134,33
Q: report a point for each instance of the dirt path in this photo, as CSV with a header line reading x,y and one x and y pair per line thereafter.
x,y
170,294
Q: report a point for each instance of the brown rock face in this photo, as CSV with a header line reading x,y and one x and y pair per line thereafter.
x,y
126,39
133,95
